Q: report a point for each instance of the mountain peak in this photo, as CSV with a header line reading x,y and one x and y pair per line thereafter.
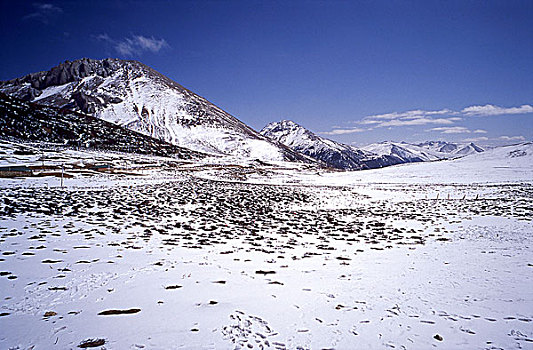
x,y
70,71
332,153
284,124
135,96
289,133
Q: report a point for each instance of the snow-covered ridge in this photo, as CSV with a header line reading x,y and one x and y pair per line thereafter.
x,y
423,152
334,154
377,155
133,95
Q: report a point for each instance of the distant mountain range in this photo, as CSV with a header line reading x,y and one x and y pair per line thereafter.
x,y
119,104
341,156
331,153
423,152
133,95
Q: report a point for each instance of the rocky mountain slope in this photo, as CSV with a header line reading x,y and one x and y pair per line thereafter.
x,y
26,121
133,95
332,153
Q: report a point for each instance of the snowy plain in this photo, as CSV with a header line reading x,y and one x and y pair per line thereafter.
x,y
213,256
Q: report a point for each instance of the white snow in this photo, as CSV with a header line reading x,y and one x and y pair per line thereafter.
x,y
367,259
53,90
498,165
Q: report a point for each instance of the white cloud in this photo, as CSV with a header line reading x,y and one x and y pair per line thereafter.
x,y
488,110
104,37
413,122
420,117
452,130
44,12
134,45
410,118
501,138
414,114
368,122
125,48
342,131
444,116
512,138
48,7
138,43
476,139
150,44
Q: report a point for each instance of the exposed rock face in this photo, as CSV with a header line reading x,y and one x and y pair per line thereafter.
x,y
26,121
133,95
67,72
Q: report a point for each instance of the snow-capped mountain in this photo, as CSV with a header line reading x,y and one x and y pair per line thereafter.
x,y
135,96
423,152
377,155
333,154
450,148
404,152
28,122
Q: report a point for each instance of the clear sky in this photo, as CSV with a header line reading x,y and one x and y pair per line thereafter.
x,y
355,71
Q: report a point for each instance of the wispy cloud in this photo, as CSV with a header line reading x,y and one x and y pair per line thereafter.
x,y
476,139
43,12
138,43
512,138
135,44
452,130
445,116
343,131
414,114
150,44
497,139
488,110
414,122
411,118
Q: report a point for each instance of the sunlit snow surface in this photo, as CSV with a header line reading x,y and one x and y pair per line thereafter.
x,y
214,256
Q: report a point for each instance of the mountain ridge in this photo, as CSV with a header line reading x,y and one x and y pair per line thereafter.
x,y
133,95
424,151
332,153
342,156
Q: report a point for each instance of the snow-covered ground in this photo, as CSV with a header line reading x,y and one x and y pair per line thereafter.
x,y
205,256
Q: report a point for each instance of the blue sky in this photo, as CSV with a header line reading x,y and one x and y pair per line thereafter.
x,y
357,72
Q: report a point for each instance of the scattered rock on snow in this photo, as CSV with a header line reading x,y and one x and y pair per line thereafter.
x,y
438,337
118,312
91,343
